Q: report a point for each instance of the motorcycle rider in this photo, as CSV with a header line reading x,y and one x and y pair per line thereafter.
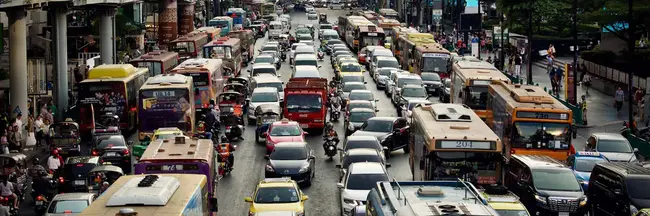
x,y
36,169
54,161
330,132
228,150
7,190
335,104
211,122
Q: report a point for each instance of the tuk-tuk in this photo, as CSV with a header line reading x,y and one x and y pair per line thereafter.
x,y
227,72
231,99
322,18
266,114
236,87
65,137
240,80
104,173
14,163
108,123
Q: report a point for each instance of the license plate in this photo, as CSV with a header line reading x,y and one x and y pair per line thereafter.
x,y
111,154
304,125
39,203
228,130
563,214
79,182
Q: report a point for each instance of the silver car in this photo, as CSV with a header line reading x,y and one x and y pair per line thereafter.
x,y
613,146
69,204
366,95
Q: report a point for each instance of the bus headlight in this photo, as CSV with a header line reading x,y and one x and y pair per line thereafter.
x,y
540,199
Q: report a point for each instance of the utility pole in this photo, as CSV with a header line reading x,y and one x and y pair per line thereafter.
x,y
480,28
574,94
502,45
529,49
630,47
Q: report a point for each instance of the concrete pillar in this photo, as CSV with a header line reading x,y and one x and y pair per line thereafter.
x,y
167,25
18,61
107,36
186,19
61,58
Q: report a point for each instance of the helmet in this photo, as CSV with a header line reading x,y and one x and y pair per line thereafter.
x,y
36,161
330,125
55,152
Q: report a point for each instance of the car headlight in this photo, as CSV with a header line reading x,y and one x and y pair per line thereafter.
x,y
350,127
304,168
583,202
269,168
540,199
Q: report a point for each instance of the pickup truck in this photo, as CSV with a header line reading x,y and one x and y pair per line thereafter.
x,y
305,101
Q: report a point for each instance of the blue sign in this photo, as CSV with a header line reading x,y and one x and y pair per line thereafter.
x,y
17,110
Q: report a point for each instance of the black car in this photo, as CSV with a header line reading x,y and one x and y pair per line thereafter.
x,y
292,159
356,117
431,82
113,149
74,176
618,188
445,91
355,142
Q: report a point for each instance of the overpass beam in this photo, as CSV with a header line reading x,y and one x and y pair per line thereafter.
x,y
18,61
61,47
107,36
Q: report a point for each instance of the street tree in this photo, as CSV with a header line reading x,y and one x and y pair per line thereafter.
x,y
548,14
612,15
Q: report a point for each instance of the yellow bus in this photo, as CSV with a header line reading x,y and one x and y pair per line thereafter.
x,y
166,100
449,141
158,62
396,46
160,194
110,88
351,31
208,80
470,78
529,120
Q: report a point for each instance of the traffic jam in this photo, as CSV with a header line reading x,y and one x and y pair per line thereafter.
x,y
474,142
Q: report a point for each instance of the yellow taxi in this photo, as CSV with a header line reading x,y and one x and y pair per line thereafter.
x,y
643,212
506,203
277,194
343,61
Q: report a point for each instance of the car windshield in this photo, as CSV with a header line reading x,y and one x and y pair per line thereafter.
x,y
613,145
360,158
638,188
303,31
332,42
512,212
265,59
285,130
350,68
403,81
303,103
540,135
289,153
264,70
387,63
364,181
367,96
385,71
109,142
327,36
261,97
365,104
67,206
587,165
361,116
277,85
430,77
307,62
350,87
355,144
555,180
377,126
270,48
414,92
352,79
304,37
276,195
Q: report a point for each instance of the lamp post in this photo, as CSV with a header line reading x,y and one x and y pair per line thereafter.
x,y
529,48
630,46
573,97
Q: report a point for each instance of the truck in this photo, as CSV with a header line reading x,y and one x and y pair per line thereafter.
x,y
415,198
305,101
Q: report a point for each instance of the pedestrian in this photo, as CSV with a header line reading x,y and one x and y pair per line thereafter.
x,y
52,109
518,61
583,106
46,130
19,123
38,126
31,135
15,138
586,83
619,97
510,65
641,109
78,77
4,142
638,94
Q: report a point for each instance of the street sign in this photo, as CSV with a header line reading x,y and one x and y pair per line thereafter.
x,y
436,12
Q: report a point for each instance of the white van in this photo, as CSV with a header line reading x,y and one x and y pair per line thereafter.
x,y
268,80
275,29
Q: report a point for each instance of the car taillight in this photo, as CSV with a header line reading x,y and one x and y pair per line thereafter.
x,y
512,151
61,180
6,198
95,153
80,165
125,152
39,198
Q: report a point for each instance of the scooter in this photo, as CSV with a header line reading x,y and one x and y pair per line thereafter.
x,y
224,153
321,55
330,147
335,113
234,132
9,202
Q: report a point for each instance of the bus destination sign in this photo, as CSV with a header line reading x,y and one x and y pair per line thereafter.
x,y
465,144
542,115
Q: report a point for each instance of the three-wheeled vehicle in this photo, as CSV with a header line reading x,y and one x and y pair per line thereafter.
x,y
231,100
266,114
104,173
234,126
108,123
240,80
228,72
65,137
322,18
15,166
236,87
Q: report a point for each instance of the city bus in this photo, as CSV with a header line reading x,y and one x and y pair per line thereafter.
x,y
212,32
166,100
470,78
238,15
352,31
208,81
449,141
182,155
397,44
167,194
371,17
110,88
189,46
387,25
247,40
158,62
389,13
222,22
407,43
529,120
431,58
267,9
370,36
229,50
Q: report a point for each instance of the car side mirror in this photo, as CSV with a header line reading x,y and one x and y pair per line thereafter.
x,y
636,150
385,148
340,185
304,198
340,149
339,166
248,199
267,157
259,50
365,82
304,133
388,165
376,100
376,110
279,75
319,66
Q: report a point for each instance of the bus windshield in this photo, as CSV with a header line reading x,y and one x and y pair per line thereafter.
x,y
477,167
434,64
222,52
155,68
372,39
540,135
165,108
183,47
222,24
105,96
476,98
304,103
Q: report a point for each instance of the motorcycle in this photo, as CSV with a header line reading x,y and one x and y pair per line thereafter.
x,y
224,163
213,132
234,130
9,202
42,198
321,55
330,147
335,113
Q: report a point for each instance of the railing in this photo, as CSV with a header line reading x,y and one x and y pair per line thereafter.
x,y
399,195
84,56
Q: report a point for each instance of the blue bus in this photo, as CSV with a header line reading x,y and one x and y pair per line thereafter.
x,y
239,15
223,22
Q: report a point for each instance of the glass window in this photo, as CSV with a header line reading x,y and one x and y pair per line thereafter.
x,y
555,180
269,70
414,92
361,96
269,48
350,68
218,51
377,126
109,141
605,145
430,77
541,135
586,165
361,116
434,64
330,36
412,105
477,97
360,158
326,27
303,103
365,104
364,181
276,85
305,37
638,188
476,167
289,153
265,59
352,79
350,87
285,130
332,42
183,47
512,213
261,97
67,206
354,144
276,195
403,81
306,62
385,71
228,53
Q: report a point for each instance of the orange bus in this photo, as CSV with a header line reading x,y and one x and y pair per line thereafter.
x,y
207,77
372,18
189,46
408,42
212,32
529,120
370,36
158,62
431,58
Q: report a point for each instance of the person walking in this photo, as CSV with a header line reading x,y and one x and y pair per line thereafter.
x,y
586,83
78,77
638,94
583,107
641,109
619,97
39,126
518,61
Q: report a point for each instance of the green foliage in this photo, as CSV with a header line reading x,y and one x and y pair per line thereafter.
x,y
548,13
608,13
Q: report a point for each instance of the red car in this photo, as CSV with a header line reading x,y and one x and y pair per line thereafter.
x,y
283,131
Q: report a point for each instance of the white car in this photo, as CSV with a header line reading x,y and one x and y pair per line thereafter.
x,y
358,181
263,95
263,68
286,16
401,81
306,39
305,71
312,15
305,60
292,52
382,75
275,29
69,203
364,95
406,109
380,58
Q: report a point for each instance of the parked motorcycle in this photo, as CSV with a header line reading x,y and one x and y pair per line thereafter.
x,y
330,147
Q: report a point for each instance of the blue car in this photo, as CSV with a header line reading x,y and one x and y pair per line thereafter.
x,y
582,163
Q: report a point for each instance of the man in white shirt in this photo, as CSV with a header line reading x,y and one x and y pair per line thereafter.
x,y
38,127
53,162
7,190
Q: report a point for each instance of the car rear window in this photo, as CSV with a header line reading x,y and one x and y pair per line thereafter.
x,y
108,142
67,206
354,144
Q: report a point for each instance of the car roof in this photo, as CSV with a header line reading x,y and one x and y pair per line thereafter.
x,y
306,57
383,118
361,138
418,100
263,65
276,182
306,68
540,161
359,101
73,196
168,129
353,83
362,110
386,58
299,44
264,55
284,122
109,136
361,151
266,78
290,145
338,45
408,75
270,45
276,22
366,168
412,86
308,35
374,47
265,89
361,91
608,136
384,50
305,47
586,154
